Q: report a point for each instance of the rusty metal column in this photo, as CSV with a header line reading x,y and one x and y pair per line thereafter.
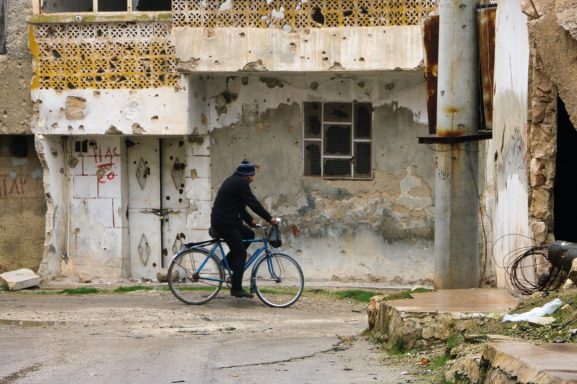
x,y
456,248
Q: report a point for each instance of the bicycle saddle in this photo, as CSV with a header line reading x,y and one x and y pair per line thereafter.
x,y
213,233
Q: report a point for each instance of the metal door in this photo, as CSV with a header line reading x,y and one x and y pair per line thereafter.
x,y
156,203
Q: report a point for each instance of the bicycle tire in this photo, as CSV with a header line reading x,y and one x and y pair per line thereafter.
x,y
277,279
191,285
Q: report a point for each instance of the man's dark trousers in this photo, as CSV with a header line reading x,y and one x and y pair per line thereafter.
x,y
233,237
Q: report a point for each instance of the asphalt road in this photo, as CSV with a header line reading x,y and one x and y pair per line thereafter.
x,y
150,337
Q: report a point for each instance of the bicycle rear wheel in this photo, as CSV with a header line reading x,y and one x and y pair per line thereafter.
x,y
195,276
278,280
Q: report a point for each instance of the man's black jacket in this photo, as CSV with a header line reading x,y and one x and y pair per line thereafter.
x,y
233,197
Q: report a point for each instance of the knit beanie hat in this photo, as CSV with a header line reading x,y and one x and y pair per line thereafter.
x,y
246,168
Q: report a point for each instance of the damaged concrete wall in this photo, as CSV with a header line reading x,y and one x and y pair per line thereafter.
x,y
553,33
341,230
508,153
15,71
22,205
525,139
22,209
51,151
310,49
133,112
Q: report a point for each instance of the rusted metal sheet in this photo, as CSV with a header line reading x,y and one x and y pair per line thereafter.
x,y
486,25
431,45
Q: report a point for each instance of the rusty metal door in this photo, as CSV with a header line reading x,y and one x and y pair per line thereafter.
x,y
156,203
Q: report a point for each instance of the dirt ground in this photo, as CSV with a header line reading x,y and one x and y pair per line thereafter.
x,y
150,337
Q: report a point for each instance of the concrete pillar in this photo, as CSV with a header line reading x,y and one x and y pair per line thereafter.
x,y
456,200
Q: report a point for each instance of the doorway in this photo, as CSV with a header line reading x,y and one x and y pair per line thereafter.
x,y
565,187
157,205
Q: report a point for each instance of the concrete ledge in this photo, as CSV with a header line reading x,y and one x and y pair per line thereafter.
x,y
430,318
511,361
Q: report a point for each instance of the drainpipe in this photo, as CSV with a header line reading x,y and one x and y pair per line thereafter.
x,y
456,250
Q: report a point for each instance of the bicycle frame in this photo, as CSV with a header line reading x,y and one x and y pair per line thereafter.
x,y
255,255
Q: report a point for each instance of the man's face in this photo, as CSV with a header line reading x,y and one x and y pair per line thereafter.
x,y
249,179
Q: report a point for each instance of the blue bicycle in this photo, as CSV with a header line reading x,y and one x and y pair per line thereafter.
x,y
197,273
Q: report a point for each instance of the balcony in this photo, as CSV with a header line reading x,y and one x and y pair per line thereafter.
x,y
298,36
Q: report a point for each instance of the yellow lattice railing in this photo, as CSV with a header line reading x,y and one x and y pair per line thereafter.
x,y
103,56
299,14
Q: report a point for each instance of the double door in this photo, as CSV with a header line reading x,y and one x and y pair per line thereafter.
x,y
157,203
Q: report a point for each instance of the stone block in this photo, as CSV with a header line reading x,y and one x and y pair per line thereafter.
x,y
162,275
20,279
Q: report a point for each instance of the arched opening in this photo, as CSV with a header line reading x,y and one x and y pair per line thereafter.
x,y
565,189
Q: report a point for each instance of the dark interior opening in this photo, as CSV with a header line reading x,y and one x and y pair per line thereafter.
x,y
19,146
565,187
154,5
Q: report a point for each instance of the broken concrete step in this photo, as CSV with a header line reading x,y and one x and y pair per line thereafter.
x,y
550,363
430,317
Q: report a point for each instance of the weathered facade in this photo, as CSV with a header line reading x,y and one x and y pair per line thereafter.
x,y
532,153
141,116
22,205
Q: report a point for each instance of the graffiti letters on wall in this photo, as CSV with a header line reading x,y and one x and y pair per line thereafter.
x,y
20,185
104,163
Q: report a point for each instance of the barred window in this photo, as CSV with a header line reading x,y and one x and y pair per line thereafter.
x,y
65,6
338,140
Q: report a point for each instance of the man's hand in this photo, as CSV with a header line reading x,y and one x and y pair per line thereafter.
x,y
274,221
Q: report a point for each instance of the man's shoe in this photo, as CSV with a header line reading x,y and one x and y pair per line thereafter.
x,y
242,293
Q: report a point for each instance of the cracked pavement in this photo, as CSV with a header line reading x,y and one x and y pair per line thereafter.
x,y
150,337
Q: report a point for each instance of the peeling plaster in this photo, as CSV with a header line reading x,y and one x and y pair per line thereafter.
x,y
387,216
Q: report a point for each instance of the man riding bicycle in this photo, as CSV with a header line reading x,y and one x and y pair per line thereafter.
x,y
229,212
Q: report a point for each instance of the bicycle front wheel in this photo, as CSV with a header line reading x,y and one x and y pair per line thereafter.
x,y
278,280
195,276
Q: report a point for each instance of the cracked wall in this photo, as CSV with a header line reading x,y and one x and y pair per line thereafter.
x,y
342,230
22,208
22,205
538,43
15,71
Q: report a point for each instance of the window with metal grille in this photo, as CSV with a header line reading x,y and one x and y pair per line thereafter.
x,y
65,6
338,140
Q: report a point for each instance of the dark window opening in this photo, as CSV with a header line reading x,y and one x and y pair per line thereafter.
x,y
154,5
565,187
362,159
338,112
57,6
81,146
312,159
64,6
313,120
337,140
19,146
112,6
2,27
363,121
337,167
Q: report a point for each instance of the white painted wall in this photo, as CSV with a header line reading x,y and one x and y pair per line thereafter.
x,y
160,111
510,219
322,49
97,226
